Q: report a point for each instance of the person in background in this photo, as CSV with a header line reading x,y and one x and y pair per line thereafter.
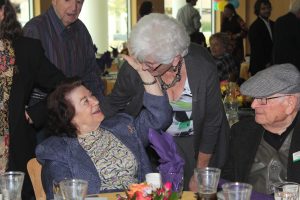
x,y
261,37
265,149
108,153
67,44
190,17
145,9
22,65
188,74
235,26
287,36
220,50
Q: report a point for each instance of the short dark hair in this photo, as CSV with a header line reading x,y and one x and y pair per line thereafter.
x,y
60,110
258,4
230,7
10,28
145,8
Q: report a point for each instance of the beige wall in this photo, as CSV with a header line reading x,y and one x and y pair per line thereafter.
x,y
40,6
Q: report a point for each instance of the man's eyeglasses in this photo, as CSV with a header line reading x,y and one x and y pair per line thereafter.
x,y
264,101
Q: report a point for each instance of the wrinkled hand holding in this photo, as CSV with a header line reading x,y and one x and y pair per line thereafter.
x,y
144,74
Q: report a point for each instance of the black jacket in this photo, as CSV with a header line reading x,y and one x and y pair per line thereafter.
x,y
245,139
33,68
286,47
261,45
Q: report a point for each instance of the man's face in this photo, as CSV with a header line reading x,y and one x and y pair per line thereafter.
x,y
273,113
194,2
265,11
67,10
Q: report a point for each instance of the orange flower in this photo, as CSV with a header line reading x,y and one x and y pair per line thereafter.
x,y
142,187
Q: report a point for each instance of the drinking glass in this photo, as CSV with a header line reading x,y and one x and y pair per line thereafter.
x,y
286,191
176,179
57,191
237,191
11,185
73,189
207,180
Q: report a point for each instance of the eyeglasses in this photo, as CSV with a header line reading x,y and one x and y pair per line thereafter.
x,y
264,101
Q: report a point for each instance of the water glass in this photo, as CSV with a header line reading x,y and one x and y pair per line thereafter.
x,y
73,189
207,180
154,179
57,191
176,179
237,191
11,184
286,191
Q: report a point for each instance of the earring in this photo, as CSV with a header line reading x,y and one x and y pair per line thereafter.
x,y
174,68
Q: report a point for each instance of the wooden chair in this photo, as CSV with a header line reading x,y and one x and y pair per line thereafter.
x,y
34,169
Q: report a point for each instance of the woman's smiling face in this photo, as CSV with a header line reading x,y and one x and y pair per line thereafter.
x,y
88,115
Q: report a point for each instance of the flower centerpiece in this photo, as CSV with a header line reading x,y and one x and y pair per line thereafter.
x,y
144,191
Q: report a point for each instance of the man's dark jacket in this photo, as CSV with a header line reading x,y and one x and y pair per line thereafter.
x,y
245,139
261,45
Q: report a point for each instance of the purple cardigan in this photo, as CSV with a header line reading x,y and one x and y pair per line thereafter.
x,y
63,157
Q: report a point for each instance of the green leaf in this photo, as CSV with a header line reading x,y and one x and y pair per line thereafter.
x,y
174,196
158,197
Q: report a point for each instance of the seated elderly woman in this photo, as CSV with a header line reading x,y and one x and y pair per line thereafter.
x,y
108,153
220,47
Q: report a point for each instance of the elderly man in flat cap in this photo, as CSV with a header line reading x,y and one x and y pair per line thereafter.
x,y
266,149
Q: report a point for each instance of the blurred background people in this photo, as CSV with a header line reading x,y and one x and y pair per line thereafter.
x,y
235,26
188,74
145,9
189,17
287,36
262,149
22,66
108,153
261,37
220,50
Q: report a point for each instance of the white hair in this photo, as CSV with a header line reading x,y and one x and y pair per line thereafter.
x,y
159,37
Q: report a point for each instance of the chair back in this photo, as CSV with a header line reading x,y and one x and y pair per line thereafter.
x,y
34,169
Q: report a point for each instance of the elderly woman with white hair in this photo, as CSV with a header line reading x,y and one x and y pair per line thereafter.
x,y
188,74
286,38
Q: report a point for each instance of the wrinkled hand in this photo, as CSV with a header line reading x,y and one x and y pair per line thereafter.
x,y
193,185
133,62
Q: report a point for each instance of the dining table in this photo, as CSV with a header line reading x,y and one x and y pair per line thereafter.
x,y
186,195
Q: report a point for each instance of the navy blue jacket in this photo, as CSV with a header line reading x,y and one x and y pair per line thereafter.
x,y
63,157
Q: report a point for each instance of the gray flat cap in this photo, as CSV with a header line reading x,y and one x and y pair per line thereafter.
x,y
283,79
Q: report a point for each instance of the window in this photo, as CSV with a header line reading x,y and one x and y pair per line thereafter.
x,y
24,10
118,20
205,9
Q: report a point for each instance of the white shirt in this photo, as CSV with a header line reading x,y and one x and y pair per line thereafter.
x,y
190,18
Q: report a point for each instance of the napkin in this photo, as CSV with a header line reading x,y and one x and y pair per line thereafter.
x,y
171,163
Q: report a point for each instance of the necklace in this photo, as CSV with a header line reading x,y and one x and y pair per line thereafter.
x,y
176,79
